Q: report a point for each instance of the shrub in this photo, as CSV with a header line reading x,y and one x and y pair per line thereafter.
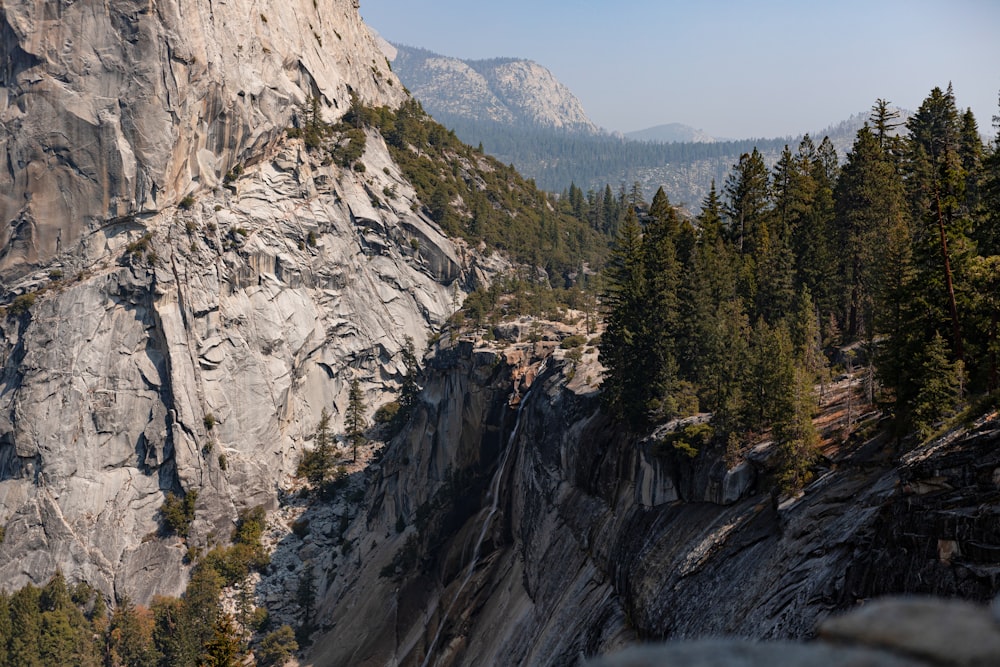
x,y
21,304
386,413
209,421
277,648
570,342
178,512
187,202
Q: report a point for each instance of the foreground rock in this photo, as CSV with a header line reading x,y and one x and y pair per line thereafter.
x,y
892,632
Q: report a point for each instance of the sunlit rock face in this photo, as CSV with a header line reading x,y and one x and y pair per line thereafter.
x,y
114,109
174,329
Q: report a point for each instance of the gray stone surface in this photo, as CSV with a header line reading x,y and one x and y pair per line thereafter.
x,y
736,653
256,305
944,632
114,110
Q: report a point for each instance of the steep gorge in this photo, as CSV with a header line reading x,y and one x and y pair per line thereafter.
x,y
186,289
601,540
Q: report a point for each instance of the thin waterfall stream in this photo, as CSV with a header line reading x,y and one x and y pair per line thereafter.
x,y
487,522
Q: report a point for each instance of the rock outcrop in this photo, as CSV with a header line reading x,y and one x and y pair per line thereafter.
x,y
505,91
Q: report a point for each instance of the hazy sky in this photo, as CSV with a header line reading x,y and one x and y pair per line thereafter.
x,y
733,69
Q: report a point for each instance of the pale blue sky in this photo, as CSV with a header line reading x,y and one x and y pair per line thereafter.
x,y
734,69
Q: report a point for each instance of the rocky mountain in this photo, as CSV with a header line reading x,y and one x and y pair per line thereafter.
x,y
508,91
187,285
186,289
670,133
524,117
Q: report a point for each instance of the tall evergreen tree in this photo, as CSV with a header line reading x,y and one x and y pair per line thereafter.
x,y
869,200
26,627
657,340
748,202
354,419
625,331
936,183
6,629
129,641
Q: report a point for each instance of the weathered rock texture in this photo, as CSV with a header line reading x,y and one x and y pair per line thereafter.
x,y
174,348
595,540
113,109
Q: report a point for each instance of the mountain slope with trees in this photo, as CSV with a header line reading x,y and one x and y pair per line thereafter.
x,y
893,250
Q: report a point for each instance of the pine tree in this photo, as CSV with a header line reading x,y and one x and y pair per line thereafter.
x,y
770,378
795,433
625,332
940,380
657,341
870,201
354,419
277,647
884,122
936,183
315,464
129,639
223,649
6,629
26,627
409,387
748,202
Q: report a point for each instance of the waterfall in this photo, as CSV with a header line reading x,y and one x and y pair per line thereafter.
x,y
487,522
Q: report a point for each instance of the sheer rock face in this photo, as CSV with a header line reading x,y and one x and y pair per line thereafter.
x,y
157,347
112,109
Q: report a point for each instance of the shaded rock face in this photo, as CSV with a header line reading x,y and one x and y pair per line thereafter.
x,y
152,347
595,542
114,109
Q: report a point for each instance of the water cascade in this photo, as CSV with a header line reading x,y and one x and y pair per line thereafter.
x,y
487,522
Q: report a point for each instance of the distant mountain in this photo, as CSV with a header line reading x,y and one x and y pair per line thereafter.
x,y
670,133
509,91
524,116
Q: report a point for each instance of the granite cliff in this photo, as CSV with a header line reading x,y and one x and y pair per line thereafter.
x,y
186,289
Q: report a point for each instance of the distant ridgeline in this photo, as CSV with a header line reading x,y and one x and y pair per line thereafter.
x,y
553,141
555,158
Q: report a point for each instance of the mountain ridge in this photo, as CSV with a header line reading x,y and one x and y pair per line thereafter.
x,y
510,90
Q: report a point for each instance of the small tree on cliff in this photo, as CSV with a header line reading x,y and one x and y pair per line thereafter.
x,y
314,465
354,420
